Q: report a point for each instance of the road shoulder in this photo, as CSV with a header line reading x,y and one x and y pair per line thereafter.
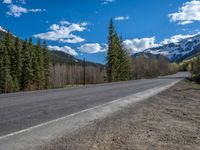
x,y
169,120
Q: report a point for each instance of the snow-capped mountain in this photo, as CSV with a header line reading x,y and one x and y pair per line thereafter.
x,y
179,51
3,29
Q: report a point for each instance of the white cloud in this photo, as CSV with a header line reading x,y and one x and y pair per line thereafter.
x,y
63,32
185,22
7,1
36,10
65,49
138,45
188,13
54,27
17,11
177,38
93,48
120,18
107,1
63,22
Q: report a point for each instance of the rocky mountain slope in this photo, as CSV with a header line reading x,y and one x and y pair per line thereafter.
x,y
179,51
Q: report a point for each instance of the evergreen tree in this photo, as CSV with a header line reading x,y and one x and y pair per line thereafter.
x,y
112,61
1,68
118,65
36,69
10,48
27,71
39,75
6,85
124,61
18,57
46,65
23,66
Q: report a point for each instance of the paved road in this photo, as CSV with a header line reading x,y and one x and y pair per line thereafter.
x,y
19,111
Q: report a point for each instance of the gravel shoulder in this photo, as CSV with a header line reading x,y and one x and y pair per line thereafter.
x,y
168,121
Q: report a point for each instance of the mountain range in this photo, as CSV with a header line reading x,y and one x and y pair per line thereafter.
x,y
177,52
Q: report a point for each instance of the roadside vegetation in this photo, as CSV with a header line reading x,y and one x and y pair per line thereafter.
x,y
193,66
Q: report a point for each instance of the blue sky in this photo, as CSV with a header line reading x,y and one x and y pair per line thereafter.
x,y
80,27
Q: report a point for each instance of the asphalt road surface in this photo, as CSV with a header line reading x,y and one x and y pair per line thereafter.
x,y
22,110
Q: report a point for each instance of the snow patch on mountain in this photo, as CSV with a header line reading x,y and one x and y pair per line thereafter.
x,y
2,29
177,51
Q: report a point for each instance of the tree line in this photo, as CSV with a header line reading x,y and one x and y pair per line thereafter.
x,y
23,65
144,67
62,75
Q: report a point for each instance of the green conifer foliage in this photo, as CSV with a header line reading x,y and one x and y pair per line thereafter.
x,y
118,66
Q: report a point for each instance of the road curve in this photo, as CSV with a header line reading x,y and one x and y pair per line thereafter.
x,y
22,110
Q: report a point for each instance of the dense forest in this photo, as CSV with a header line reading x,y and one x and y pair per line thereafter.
x,y
23,66
26,66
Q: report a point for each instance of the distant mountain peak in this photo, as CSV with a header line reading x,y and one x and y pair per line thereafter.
x,y
3,29
178,51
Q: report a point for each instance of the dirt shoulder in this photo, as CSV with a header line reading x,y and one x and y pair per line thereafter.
x,y
168,121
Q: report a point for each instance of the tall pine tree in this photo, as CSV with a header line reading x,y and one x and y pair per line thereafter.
x,y
118,65
10,48
124,61
38,66
6,83
112,60
27,71
18,57
46,65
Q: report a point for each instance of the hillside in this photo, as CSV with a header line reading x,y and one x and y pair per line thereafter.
x,y
149,55
56,56
61,57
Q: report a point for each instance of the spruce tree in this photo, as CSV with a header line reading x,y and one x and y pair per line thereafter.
x,y
1,68
118,66
6,85
124,61
112,61
10,48
27,71
46,65
18,57
38,62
